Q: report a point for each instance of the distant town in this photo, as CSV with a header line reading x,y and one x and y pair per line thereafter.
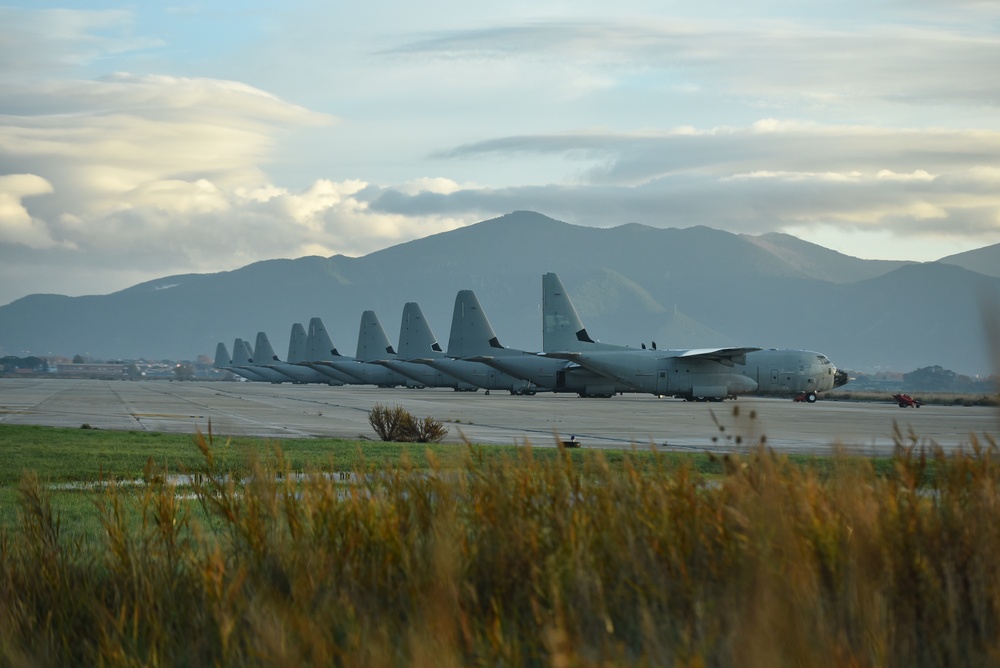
x,y
81,366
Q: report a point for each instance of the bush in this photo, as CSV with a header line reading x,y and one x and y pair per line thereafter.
x,y
390,423
395,423
428,430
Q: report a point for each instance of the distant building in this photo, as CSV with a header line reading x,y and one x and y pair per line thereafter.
x,y
102,371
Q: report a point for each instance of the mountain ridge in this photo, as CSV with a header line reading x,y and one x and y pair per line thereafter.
x,y
730,289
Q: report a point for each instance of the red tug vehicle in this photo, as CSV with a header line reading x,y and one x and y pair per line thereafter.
x,y
905,401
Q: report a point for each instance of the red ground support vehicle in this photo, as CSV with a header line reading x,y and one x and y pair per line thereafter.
x,y
905,401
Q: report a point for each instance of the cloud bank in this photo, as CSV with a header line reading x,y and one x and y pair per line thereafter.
x,y
879,127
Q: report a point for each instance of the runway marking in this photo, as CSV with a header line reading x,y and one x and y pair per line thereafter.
x,y
166,415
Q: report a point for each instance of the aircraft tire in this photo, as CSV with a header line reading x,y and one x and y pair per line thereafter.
x,y
811,397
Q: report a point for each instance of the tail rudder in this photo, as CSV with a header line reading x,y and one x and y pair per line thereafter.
x,y
222,358
562,328
263,353
320,346
471,331
415,336
241,353
373,344
297,342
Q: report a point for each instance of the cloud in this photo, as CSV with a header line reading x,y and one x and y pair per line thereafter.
x,y
765,177
45,40
691,121
893,59
16,224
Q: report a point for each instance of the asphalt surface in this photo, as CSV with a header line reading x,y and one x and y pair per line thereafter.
x,y
304,411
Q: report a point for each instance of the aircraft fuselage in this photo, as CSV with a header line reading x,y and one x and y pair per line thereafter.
x,y
786,372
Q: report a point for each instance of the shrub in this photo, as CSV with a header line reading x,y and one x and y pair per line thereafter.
x,y
391,423
428,430
395,423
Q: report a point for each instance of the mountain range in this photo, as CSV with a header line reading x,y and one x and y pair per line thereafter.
x,y
632,284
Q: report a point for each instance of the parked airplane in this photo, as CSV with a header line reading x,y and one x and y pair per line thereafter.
x,y
297,346
244,365
557,375
267,363
692,374
224,362
472,336
373,346
417,341
320,352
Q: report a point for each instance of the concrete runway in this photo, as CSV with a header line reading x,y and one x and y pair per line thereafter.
x,y
304,411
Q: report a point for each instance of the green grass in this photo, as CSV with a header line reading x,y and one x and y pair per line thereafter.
x,y
60,457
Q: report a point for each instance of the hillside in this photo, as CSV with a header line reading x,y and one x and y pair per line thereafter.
x,y
632,284
981,260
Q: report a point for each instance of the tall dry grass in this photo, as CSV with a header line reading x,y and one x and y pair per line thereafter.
x,y
523,562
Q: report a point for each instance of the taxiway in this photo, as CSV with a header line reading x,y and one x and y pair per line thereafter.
x,y
306,411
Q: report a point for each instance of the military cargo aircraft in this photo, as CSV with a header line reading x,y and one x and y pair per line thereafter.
x,y
373,346
472,336
224,362
244,365
264,358
297,344
320,352
417,341
700,374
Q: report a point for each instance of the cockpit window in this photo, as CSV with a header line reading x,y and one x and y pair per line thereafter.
x,y
822,359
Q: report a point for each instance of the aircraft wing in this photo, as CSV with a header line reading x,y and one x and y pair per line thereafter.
x,y
727,356
601,363
618,365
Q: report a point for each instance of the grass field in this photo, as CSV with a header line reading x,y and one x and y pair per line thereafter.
x,y
459,555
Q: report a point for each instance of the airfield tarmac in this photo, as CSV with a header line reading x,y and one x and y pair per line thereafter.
x,y
306,411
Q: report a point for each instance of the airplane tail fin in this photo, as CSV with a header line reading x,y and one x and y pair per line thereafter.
x,y
263,353
319,347
373,344
416,339
241,353
297,343
562,328
471,331
222,358
247,351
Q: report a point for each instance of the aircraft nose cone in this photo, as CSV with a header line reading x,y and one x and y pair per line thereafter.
x,y
742,385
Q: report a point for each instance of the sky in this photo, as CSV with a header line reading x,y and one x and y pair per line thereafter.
x,y
148,139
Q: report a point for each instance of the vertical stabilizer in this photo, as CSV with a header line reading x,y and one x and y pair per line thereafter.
x,y
416,339
297,343
471,331
373,344
246,353
263,353
222,358
319,346
562,329
241,354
